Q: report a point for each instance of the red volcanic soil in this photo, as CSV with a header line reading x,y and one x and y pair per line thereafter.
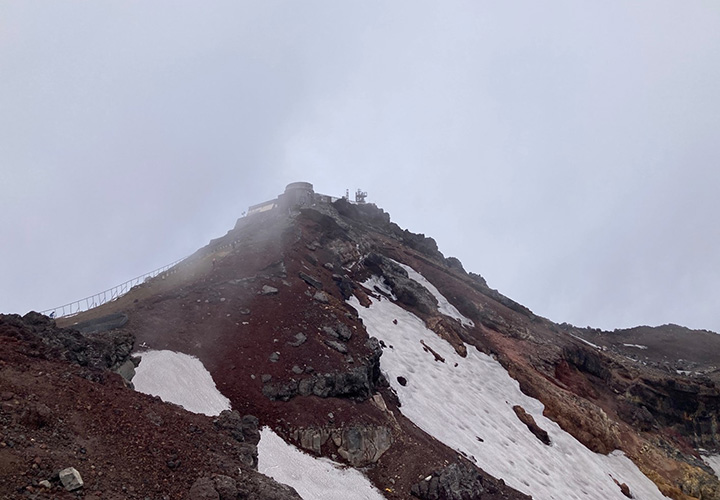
x,y
56,414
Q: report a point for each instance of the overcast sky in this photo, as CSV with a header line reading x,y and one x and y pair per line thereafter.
x,y
567,151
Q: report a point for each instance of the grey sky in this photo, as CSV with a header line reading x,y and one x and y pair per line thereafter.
x,y
567,151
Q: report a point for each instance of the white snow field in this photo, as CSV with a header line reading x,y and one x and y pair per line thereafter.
x,y
313,478
180,379
467,404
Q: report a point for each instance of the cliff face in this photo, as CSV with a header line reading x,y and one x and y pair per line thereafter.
x,y
282,312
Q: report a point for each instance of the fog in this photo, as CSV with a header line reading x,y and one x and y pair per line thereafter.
x,y
568,152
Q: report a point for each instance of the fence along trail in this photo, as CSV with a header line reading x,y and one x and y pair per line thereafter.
x,y
113,293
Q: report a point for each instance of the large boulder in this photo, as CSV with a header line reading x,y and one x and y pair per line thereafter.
x,y
359,445
70,479
363,445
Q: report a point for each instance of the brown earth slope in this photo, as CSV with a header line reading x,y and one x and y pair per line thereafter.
x,y
56,414
264,309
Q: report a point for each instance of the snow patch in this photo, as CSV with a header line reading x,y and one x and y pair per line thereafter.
x,y
467,404
714,462
587,342
444,306
313,478
636,345
180,379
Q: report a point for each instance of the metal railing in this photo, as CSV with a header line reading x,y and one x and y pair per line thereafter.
x,y
108,295
115,292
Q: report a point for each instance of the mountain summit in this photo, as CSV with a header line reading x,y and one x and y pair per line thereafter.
x,y
324,325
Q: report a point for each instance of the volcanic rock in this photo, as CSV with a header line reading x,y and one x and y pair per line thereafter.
x,y
359,445
364,445
529,421
70,479
45,406
203,489
345,285
457,481
338,346
406,290
311,280
299,339
98,350
321,297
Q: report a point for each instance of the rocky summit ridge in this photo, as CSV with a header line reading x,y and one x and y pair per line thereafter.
x,y
280,312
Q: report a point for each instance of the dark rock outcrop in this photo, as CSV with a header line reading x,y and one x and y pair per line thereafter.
x,y
354,382
690,407
457,481
245,430
339,331
311,280
588,361
345,285
359,381
260,487
338,346
532,426
638,416
256,486
363,445
423,244
359,445
242,428
454,263
330,228
298,339
97,350
368,212
203,489
406,290
479,284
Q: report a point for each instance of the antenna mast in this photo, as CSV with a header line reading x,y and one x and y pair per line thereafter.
x,y
360,196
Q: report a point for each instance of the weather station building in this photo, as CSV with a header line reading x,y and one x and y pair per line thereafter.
x,y
301,194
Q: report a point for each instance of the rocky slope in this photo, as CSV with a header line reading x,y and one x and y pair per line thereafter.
x,y
265,308
61,406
